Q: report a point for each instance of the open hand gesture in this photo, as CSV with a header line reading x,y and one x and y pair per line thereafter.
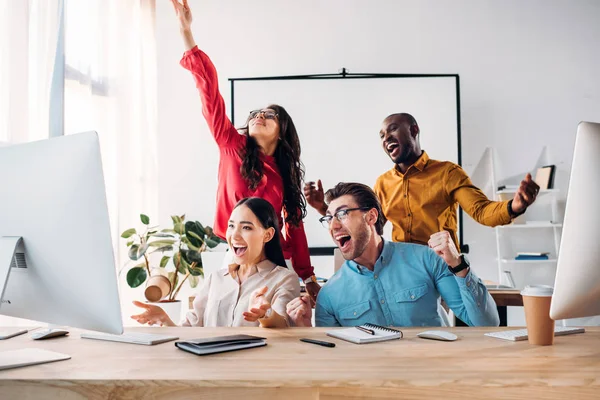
x,y
184,14
257,306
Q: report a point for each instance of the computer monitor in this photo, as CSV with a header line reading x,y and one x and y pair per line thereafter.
x,y
577,284
56,255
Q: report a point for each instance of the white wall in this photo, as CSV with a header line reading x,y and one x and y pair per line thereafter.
x,y
529,73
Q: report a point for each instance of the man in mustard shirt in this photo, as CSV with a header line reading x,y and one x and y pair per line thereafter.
x,y
419,196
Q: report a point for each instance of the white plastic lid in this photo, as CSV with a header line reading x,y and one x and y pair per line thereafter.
x,y
537,290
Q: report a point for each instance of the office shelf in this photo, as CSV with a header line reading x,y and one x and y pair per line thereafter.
x,y
510,190
531,225
513,261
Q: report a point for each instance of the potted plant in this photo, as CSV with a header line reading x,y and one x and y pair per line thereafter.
x,y
180,247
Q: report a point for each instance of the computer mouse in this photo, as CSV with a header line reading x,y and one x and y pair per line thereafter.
x,y
438,335
48,333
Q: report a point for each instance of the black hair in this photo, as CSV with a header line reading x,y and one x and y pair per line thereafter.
x,y
287,157
363,195
264,211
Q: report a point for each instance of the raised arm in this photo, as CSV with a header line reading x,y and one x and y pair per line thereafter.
x,y
205,75
474,201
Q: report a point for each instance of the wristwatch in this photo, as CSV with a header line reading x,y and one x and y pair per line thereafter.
x,y
310,279
513,214
464,264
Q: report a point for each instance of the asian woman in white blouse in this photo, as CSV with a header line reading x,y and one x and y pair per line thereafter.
x,y
254,290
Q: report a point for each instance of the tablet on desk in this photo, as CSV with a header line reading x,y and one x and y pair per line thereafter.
x,y
24,357
11,332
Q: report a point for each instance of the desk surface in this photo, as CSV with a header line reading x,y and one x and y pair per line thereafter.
x,y
506,297
475,366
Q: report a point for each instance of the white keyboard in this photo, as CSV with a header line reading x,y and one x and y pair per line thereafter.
x,y
521,334
131,337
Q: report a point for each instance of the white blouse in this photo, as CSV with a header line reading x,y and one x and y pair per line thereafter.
x,y
222,300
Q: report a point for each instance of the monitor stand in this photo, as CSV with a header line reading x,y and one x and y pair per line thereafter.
x,y
8,248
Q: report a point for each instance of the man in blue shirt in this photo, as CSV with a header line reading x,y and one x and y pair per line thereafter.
x,y
387,283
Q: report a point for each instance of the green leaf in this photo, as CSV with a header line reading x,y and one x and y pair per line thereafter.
x,y
128,233
168,231
162,242
195,232
196,271
164,261
195,235
136,251
163,249
150,233
212,243
189,244
130,243
183,266
182,218
200,229
162,235
179,228
175,219
193,281
145,219
192,256
136,276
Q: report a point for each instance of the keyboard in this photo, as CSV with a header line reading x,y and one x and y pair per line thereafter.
x,y
147,339
521,334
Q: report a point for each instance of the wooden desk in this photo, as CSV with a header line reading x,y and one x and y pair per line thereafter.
x,y
473,367
505,298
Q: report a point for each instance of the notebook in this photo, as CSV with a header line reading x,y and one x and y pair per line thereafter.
x,y
544,176
355,335
24,357
220,344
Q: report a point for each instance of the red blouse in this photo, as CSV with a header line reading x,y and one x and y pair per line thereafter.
x,y
231,186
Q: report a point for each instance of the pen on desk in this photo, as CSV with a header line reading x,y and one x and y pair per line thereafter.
x,y
365,330
319,342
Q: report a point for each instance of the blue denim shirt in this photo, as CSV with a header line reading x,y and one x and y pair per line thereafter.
x,y
403,290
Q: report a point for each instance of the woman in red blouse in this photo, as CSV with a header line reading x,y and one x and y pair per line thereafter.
x,y
261,160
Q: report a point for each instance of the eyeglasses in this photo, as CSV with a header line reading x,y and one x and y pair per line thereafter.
x,y
341,215
268,114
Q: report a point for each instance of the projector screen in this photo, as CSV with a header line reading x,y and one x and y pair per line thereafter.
x,y
339,119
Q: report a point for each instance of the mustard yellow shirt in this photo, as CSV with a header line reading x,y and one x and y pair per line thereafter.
x,y
424,200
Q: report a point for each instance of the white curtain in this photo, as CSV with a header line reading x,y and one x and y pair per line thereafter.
x,y
28,38
109,87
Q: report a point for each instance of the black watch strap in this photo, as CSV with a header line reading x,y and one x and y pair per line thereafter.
x,y
511,212
464,264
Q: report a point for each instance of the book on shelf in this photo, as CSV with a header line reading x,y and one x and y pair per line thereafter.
x,y
542,257
532,253
544,176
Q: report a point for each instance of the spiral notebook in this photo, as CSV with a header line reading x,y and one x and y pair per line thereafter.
x,y
356,335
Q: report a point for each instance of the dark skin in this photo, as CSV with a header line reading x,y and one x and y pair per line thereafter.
x,y
399,140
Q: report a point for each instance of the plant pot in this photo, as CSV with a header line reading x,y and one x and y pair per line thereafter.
x,y
157,288
172,308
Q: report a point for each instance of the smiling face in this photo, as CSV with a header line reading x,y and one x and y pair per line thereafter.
x,y
264,124
247,237
399,138
353,233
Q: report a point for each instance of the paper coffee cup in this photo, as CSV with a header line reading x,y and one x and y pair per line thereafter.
x,y
158,286
540,327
